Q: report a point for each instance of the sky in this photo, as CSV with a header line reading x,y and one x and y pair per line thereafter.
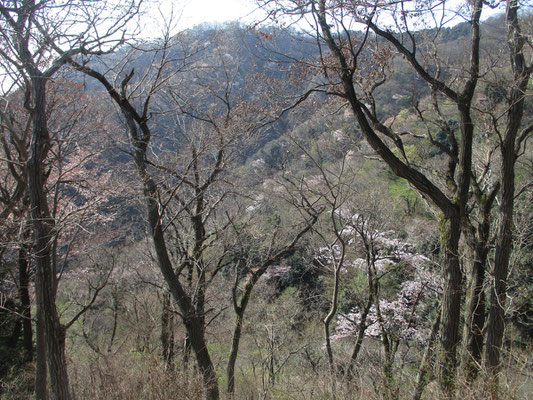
x,y
189,13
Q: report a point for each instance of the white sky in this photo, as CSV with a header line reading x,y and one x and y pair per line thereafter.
x,y
188,13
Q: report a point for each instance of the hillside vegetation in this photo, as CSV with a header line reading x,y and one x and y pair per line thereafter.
x,y
265,212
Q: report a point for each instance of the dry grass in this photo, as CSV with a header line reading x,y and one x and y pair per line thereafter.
x,y
132,376
18,384
138,376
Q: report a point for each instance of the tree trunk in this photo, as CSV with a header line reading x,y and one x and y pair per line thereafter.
x,y
474,321
451,303
43,226
41,370
509,150
389,390
54,333
56,361
360,334
332,312
167,335
239,310
230,370
475,313
186,350
452,210
193,323
362,323
425,363
205,365
24,294
496,320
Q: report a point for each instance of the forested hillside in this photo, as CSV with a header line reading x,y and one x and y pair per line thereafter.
x,y
338,207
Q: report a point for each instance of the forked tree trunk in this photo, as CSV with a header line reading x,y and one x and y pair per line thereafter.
x,y
193,322
240,306
140,135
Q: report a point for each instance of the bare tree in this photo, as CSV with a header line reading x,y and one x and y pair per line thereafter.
x,y
15,127
254,268
333,189
37,41
355,65
187,185
140,134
